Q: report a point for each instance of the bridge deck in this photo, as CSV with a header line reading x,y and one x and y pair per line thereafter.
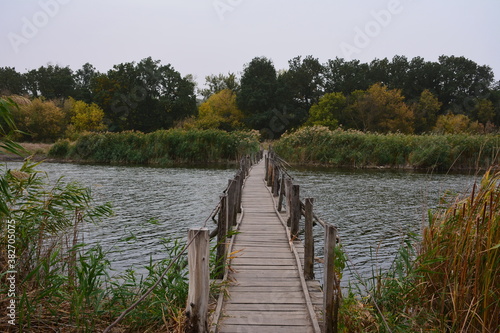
x,y
265,293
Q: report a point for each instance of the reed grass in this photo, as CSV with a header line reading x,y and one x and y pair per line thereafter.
x,y
459,260
350,148
63,284
164,147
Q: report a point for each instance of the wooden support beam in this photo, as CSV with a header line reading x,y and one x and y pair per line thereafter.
x,y
309,240
266,174
231,203
282,193
221,253
294,210
270,172
199,278
330,289
276,181
288,196
238,189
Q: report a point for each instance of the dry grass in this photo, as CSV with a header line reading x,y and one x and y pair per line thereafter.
x,y
460,261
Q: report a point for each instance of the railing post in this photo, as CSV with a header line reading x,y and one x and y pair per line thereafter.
x,y
266,176
221,235
270,172
295,211
197,301
288,196
309,240
282,193
238,183
231,204
276,181
330,289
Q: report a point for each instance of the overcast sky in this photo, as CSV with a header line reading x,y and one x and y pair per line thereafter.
x,y
203,37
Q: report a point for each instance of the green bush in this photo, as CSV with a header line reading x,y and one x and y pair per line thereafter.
x,y
160,147
341,148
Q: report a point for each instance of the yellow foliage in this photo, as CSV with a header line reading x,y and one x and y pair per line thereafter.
x,y
87,117
220,112
456,123
384,110
42,120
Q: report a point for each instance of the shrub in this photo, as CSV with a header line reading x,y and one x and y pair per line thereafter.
x,y
319,145
160,147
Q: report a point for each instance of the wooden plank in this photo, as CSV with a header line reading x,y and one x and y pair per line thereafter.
x,y
251,274
265,318
265,329
265,293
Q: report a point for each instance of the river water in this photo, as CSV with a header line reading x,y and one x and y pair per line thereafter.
x,y
374,210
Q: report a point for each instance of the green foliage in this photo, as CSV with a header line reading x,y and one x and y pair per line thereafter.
x,y
144,96
160,147
319,145
8,127
426,111
217,83
328,110
257,96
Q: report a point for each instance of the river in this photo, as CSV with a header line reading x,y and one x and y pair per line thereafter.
x,y
374,210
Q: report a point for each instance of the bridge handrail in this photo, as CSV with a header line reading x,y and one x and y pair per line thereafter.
x,y
281,182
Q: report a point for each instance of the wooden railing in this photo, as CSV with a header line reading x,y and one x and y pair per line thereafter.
x,y
288,195
199,244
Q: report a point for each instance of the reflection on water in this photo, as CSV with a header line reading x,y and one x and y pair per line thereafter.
x,y
373,210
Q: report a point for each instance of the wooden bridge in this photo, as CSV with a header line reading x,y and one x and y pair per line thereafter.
x,y
268,284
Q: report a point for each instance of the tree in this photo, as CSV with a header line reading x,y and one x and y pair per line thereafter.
x,y
11,82
426,111
54,81
86,117
380,109
379,72
84,79
345,76
217,83
328,111
42,120
454,123
462,82
257,98
299,88
221,112
145,96
484,111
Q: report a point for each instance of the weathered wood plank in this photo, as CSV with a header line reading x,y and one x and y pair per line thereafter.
x,y
265,293
265,318
266,329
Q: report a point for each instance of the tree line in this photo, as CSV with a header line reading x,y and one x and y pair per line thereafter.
x,y
397,95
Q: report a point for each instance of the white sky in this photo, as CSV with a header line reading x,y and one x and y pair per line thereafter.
x,y
203,37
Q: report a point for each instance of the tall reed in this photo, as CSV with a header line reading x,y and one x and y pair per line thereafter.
x,y
350,148
159,148
460,260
